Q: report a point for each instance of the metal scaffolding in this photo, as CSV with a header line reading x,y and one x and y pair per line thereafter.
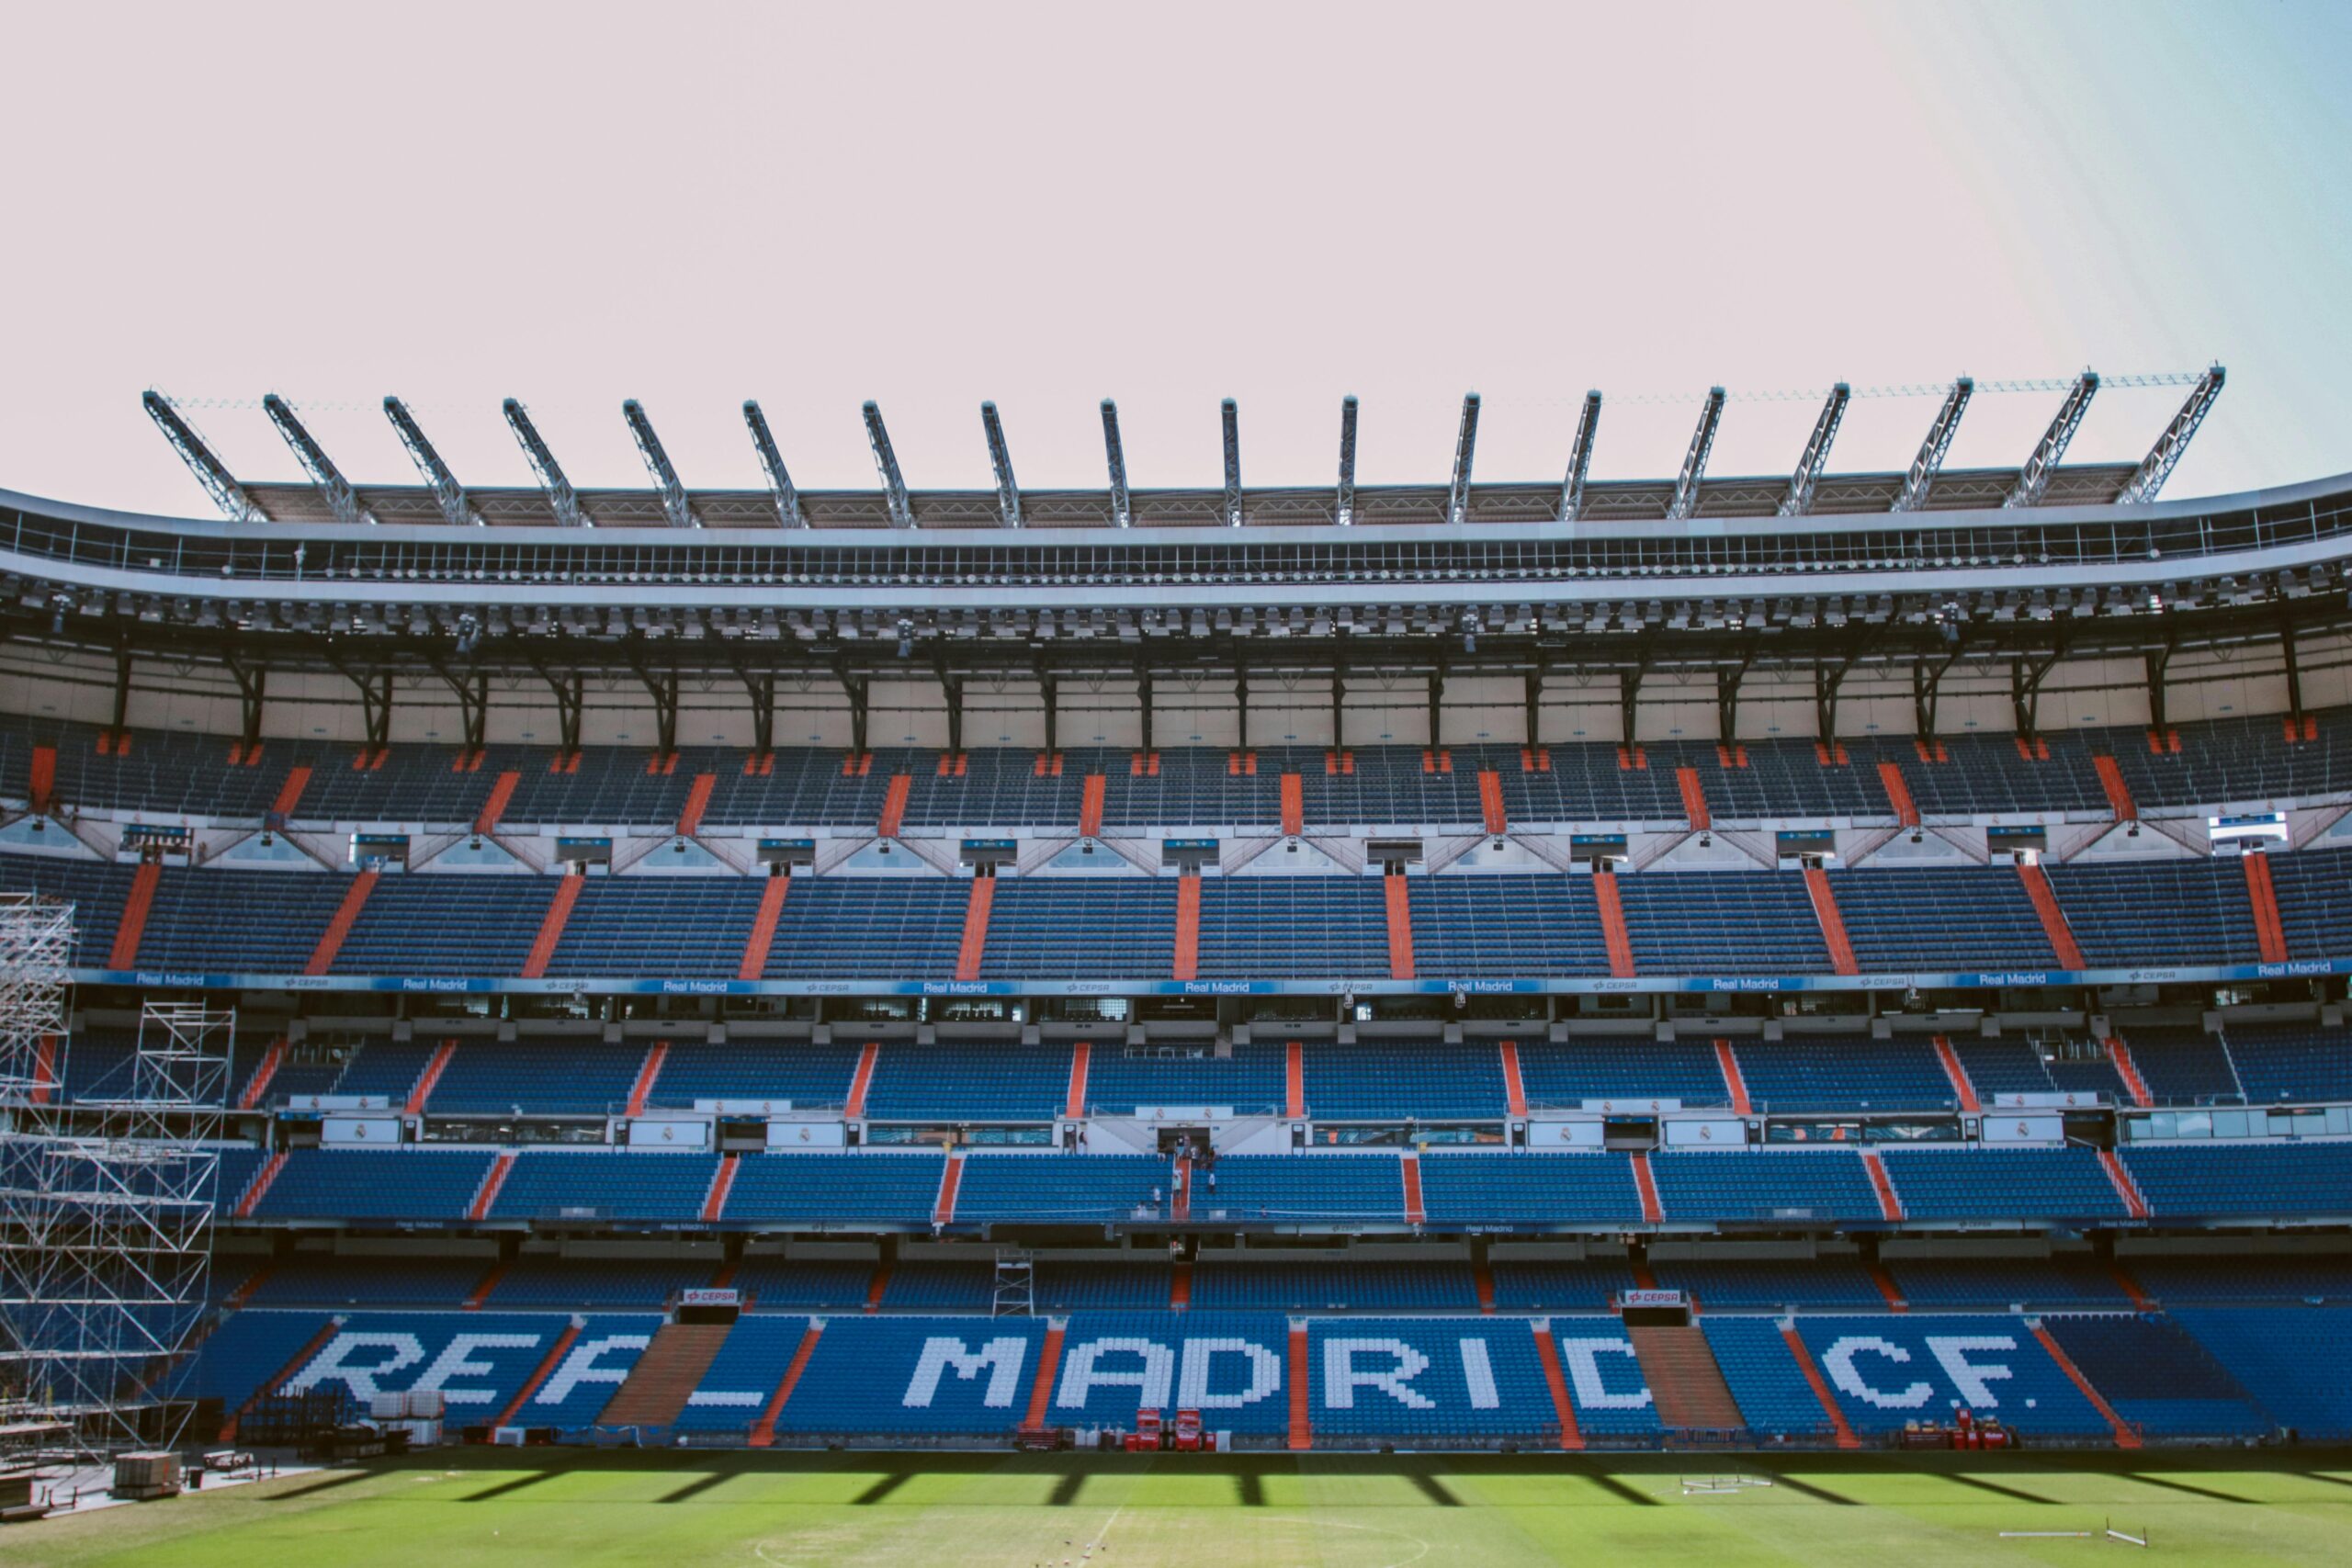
x,y
107,1206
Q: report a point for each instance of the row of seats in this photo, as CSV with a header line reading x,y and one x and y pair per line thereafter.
x,y
1335,1284
2214,1373
1774,1188
1481,926
1376,1080
2218,763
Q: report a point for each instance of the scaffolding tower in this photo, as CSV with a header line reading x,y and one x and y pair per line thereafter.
x,y
107,1206
1016,1282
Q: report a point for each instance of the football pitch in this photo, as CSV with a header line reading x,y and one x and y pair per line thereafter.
x,y
508,1506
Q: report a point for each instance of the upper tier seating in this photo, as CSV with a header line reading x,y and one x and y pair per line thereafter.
x,y
1995,1184
911,925
2235,762
1390,1079
2252,1179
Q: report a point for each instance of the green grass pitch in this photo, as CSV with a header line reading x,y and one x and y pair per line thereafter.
x,y
457,1507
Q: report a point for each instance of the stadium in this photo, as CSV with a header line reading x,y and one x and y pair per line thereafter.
x,y
1670,992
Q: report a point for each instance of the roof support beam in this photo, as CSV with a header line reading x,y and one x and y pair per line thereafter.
x,y
1116,456
210,470
2157,466
2033,480
1807,478
2158,661
760,686
886,463
855,686
332,487
570,690
1695,462
1241,705
1580,459
253,687
562,500
780,486
1008,490
1232,463
1143,703
1466,448
1921,477
657,463
951,689
1049,688
1927,692
1437,703
2294,672
1532,698
1728,680
448,493
472,688
1346,514
2026,674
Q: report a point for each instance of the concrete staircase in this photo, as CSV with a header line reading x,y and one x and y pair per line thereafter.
x,y
659,1385
1687,1385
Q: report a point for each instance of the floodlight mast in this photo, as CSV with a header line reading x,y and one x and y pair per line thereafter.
x,y
1580,459
1695,462
562,500
886,463
2033,480
1466,448
448,493
211,472
1344,512
1232,416
1921,477
1806,480
1114,456
658,465
326,477
2157,466
780,486
1008,490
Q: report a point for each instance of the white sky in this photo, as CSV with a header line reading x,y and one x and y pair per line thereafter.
x,y
1046,205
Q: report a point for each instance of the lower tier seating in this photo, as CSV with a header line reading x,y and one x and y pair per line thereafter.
x,y
1435,1378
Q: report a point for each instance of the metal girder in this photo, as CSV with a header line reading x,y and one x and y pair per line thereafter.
x,y
1437,704
1346,513
1232,416
1143,703
664,472
951,688
1241,705
210,470
2158,661
122,686
1926,692
661,685
1049,688
2157,466
2026,675
886,463
472,688
332,487
1338,708
1580,459
855,686
375,689
562,500
570,691
2033,480
780,486
1807,478
2293,670
253,685
761,686
1826,680
1466,448
448,493
1008,490
1115,456
1695,462
1728,680
1921,477
1531,696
